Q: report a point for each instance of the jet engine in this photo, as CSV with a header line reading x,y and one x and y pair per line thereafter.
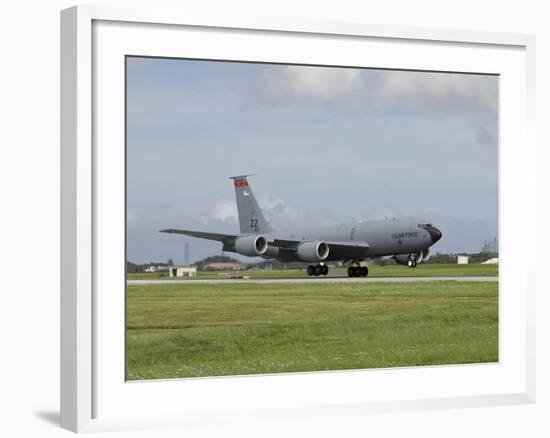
x,y
426,255
418,257
314,251
271,252
402,259
253,245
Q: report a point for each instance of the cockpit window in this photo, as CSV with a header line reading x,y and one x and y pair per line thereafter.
x,y
434,233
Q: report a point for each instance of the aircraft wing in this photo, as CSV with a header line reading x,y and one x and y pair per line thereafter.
x,y
346,250
201,234
338,250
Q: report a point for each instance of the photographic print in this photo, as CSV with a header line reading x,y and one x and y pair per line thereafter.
x,y
297,218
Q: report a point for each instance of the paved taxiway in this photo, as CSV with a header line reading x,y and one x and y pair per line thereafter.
x,y
310,280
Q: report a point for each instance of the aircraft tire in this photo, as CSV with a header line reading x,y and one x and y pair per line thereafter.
x,y
413,264
318,270
310,270
324,269
364,271
351,271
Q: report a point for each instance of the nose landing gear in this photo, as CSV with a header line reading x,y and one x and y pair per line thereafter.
x,y
317,270
411,263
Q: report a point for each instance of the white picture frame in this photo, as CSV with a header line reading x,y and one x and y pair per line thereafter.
x,y
94,395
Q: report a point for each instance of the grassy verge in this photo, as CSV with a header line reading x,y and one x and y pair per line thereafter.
x,y
189,330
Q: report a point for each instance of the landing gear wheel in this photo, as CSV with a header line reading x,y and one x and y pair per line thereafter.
x,y
357,271
318,270
364,271
324,269
310,270
414,264
351,271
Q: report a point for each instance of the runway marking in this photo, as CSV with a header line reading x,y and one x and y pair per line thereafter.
x,y
311,280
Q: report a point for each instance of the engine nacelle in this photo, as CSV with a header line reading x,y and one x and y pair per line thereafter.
x,y
312,251
402,259
251,245
271,253
418,257
426,255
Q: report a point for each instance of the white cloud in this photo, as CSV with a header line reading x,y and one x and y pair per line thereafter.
x,y
224,209
424,91
277,211
311,84
436,91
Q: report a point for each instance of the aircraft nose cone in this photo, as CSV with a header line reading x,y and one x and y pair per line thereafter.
x,y
435,234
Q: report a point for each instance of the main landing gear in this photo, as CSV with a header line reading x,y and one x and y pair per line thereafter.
x,y
411,263
358,271
317,270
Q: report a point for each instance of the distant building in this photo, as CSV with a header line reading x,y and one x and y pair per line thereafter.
x,y
492,261
463,259
183,271
150,269
223,266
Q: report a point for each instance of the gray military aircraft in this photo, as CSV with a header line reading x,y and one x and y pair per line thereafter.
x,y
407,240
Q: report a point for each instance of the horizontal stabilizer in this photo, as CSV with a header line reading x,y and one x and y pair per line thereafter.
x,y
242,176
201,234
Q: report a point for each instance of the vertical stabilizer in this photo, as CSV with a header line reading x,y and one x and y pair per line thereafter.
x,y
251,218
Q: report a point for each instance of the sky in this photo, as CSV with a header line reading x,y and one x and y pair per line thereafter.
x,y
329,145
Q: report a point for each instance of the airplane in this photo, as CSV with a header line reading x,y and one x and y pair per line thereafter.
x,y
407,240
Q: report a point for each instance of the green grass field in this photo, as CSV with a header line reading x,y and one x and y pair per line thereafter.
x,y
422,270
190,330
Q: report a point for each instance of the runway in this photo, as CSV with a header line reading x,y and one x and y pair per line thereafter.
x,y
311,280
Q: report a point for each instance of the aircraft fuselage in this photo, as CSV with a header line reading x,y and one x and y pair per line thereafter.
x,y
386,237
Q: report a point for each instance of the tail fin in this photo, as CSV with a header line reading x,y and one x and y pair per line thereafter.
x,y
251,218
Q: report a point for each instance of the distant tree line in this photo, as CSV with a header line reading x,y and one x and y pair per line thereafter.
x,y
136,267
